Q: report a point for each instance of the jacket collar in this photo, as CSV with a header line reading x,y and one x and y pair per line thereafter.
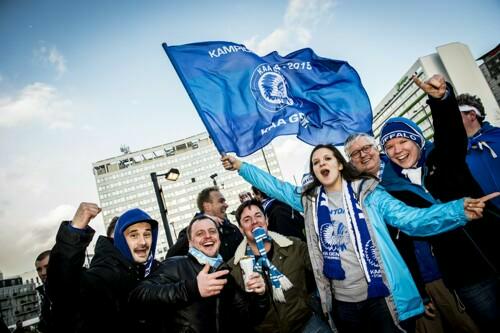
x,y
279,239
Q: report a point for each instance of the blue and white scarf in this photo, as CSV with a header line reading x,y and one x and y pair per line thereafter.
x,y
203,259
280,282
266,203
360,239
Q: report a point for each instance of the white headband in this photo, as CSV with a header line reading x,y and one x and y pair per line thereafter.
x,y
467,108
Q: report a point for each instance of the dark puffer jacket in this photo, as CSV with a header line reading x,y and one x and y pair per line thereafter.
x,y
95,299
173,291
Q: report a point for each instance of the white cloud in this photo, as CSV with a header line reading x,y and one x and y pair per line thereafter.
x,y
42,232
299,22
35,102
52,56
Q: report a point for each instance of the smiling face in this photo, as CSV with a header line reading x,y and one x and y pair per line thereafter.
x,y
403,152
326,169
204,237
139,238
252,217
364,156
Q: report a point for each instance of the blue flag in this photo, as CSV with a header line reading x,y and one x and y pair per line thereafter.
x,y
245,100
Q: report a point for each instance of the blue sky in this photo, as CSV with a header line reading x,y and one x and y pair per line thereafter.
x,y
79,79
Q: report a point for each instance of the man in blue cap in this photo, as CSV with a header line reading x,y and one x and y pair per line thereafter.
x,y
96,299
425,172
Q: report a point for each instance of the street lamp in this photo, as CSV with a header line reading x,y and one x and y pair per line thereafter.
x,y
213,178
172,175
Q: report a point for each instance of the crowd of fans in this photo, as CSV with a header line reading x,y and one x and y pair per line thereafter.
x,y
400,236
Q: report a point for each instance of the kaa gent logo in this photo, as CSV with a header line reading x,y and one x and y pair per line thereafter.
x,y
270,88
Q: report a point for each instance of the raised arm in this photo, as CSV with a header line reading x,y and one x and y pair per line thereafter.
x,y
450,138
267,183
66,275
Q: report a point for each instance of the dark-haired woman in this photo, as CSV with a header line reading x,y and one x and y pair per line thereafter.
x,y
362,280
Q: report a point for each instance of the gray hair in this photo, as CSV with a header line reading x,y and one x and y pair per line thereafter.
x,y
353,137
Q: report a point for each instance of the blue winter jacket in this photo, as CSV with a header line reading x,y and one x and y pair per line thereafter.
x,y
483,159
379,208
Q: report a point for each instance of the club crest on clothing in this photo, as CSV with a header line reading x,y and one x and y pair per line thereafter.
x,y
370,254
334,237
270,88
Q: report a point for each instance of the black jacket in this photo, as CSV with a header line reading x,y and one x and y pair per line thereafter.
x,y
468,254
94,299
173,290
285,220
230,237
45,323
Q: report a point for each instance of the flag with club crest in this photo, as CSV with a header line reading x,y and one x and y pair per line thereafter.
x,y
246,100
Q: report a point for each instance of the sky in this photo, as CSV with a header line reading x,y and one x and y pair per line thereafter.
x,y
78,79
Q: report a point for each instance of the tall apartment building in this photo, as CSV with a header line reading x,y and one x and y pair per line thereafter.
x,y
18,301
491,70
124,181
455,62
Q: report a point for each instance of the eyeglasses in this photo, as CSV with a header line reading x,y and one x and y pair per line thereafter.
x,y
357,153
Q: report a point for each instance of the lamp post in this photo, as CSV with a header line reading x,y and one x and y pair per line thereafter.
x,y
214,176
172,175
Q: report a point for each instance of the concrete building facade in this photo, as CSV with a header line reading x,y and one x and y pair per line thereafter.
x,y
18,301
491,70
455,62
124,181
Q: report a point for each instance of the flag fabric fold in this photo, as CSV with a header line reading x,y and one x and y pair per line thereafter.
x,y
245,100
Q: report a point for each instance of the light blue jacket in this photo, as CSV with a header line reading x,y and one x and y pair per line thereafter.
x,y
379,208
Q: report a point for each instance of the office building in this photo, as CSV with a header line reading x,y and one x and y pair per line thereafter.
x,y
125,182
18,301
455,62
491,70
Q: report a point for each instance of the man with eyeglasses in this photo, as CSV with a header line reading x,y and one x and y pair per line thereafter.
x,y
361,148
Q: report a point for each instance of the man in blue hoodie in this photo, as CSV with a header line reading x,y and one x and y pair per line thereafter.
x,y
483,149
96,299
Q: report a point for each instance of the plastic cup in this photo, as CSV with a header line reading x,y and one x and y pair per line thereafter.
x,y
246,264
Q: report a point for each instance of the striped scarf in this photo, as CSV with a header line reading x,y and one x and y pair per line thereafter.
x,y
279,282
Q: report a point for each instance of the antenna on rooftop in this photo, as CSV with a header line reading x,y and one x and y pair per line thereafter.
x,y
125,149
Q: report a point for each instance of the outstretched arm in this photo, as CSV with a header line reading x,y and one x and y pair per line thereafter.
x,y
426,221
266,182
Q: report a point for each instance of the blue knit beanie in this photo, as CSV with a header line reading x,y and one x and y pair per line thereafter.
x,y
127,219
400,127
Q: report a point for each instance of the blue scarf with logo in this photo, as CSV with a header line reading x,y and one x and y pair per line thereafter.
x,y
360,239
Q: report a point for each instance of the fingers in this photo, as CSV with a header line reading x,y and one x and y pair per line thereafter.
x,y
437,81
417,81
256,284
206,268
489,196
218,274
84,214
210,284
226,162
230,163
